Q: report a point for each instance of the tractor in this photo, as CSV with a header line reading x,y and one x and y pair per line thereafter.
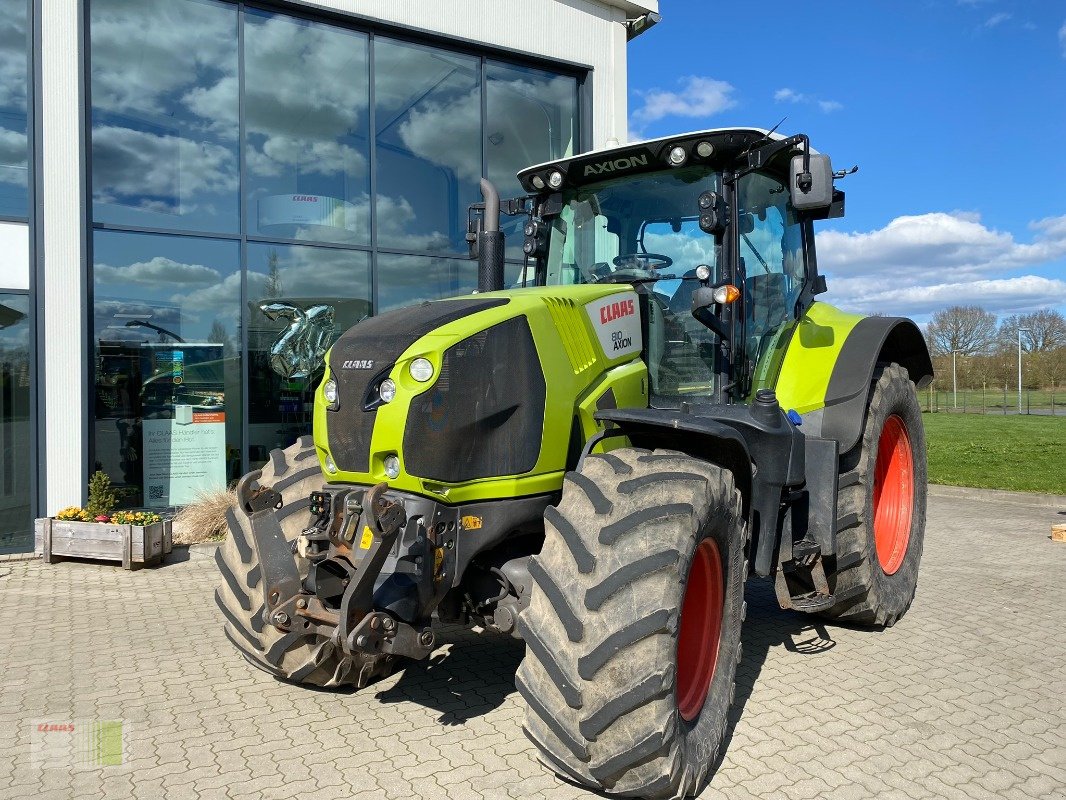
x,y
598,457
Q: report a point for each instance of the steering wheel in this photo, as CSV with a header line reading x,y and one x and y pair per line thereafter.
x,y
652,261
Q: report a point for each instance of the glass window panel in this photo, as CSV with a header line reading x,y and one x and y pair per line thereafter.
x,y
428,146
306,130
297,281
164,114
406,280
531,117
14,144
167,342
16,454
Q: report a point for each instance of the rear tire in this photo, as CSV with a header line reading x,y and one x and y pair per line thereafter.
x,y
881,507
629,669
294,473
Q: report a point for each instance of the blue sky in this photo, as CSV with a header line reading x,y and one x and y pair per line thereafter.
x,y
954,110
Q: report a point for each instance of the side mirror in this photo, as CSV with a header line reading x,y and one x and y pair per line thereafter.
x,y
813,190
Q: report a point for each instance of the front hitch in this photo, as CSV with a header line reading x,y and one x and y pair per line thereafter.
x,y
360,537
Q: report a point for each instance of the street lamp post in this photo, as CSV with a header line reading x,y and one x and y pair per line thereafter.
x,y
954,383
1020,331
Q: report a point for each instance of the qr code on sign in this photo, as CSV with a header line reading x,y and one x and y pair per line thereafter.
x,y
156,492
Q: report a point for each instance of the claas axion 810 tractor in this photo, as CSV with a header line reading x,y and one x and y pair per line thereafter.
x,y
598,458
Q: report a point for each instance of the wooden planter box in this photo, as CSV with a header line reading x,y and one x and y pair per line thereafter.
x,y
133,545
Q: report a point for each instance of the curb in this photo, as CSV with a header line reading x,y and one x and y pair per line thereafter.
x,y
1029,499
203,550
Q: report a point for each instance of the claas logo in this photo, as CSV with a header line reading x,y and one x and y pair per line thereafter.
x,y
613,311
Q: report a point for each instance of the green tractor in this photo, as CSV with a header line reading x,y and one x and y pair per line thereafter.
x,y
597,459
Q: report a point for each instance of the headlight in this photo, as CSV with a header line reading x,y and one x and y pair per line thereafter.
x,y
387,391
555,180
677,156
392,467
331,465
421,369
329,391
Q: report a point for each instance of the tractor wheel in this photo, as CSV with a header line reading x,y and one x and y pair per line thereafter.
x,y
633,630
294,473
881,507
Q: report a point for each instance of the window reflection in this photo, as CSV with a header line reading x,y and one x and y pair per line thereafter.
x,y
306,120
300,278
167,337
14,147
406,280
428,119
15,451
531,118
164,119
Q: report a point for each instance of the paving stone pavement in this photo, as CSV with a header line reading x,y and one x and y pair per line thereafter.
x,y
964,698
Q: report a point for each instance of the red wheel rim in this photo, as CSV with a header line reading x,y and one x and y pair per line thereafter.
x,y
893,494
701,629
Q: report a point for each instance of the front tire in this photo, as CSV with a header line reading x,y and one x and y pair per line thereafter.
x,y
633,630
881,507
294,473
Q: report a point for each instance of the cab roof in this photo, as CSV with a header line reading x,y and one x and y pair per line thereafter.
x,y
647,156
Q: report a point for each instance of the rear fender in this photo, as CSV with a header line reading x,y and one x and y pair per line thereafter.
x,y
872,341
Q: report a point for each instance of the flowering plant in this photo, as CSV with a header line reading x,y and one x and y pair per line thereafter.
x,y
74,513
141,518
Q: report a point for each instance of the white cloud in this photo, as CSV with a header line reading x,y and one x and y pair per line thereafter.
x,y
787,95
997,19
919,263
13,165
698,97
131,163
12,61
157,272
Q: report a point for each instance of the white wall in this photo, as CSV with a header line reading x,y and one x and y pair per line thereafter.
x,y
14,255
66,374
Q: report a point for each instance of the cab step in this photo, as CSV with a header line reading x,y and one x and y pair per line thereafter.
x,y
804,570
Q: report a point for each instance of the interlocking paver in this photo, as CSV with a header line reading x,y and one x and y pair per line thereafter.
x,y
964,698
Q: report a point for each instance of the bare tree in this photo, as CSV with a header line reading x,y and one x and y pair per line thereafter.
x,y
1047,331
968,329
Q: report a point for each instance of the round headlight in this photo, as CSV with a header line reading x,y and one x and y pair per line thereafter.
x,y
387,391
677,156
331,465
529,228
704,149
703,272
538,182
392,467
329,391
421,369
555,180
528,246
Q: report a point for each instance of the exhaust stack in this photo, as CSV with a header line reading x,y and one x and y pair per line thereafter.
x,y
490,242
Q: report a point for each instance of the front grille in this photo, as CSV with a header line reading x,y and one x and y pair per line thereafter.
x,y
484,417
379,340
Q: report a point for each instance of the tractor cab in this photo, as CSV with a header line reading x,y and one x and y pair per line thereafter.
x,y
712,230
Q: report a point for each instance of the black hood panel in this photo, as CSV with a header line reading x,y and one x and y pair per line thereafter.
x,y
364,351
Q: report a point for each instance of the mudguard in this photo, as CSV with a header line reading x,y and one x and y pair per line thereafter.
x,y
873,340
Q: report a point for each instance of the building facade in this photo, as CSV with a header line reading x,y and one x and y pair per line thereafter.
x,y
180,180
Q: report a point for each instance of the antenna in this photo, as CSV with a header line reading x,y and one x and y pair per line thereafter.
x,y
778,125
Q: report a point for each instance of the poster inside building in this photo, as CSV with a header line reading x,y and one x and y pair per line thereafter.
x,y
184,421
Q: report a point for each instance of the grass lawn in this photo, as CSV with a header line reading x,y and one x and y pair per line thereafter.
x,y
991,451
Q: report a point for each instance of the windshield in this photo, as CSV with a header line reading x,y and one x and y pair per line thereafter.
x,y
645,229
642,227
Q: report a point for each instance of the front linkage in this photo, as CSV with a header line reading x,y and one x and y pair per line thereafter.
x,y
353,531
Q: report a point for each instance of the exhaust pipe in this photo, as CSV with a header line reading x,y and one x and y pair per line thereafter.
x,y
490,242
